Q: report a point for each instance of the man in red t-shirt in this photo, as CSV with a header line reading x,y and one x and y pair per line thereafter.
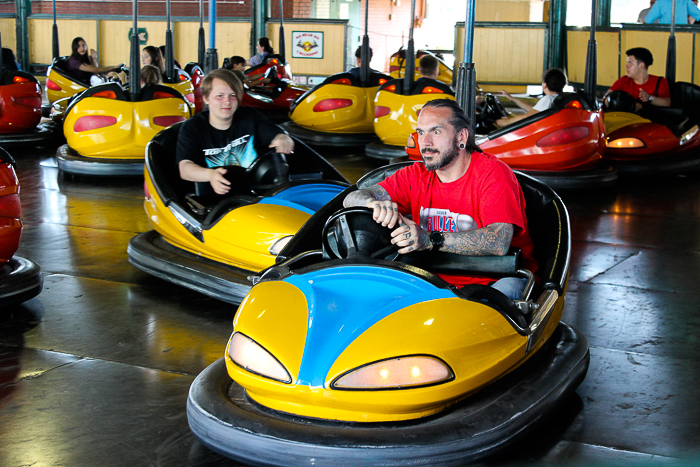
x,y
464,201
639,83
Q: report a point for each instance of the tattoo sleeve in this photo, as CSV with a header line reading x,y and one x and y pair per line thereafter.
x,y
492,240
360,197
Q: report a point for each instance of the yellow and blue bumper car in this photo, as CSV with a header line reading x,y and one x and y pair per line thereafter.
x,y
344,354
107,132
396,114
212,243
337,112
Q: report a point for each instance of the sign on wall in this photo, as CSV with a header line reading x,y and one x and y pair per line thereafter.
x,y
307,44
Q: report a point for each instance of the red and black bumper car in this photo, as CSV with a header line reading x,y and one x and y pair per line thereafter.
x,y
20,109
20,279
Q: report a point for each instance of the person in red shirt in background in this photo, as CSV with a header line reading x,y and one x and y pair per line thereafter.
x,y
461,200
638,83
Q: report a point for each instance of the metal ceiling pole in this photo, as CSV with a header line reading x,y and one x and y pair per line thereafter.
x,y
282,41
212,58
135,58
54,37
591,75
466,79
1,64
410,62
169,46
364,51
671,50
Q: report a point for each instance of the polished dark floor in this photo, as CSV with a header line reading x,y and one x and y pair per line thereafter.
x,y
95,370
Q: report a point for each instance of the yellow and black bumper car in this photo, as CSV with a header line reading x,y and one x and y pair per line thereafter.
x,y
212,243
107,132
344,354
397,65
337,112
396,114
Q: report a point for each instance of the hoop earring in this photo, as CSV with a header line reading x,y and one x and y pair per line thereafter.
x,y
461,146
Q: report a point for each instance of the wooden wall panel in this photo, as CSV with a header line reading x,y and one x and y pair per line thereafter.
x,y
607,44
502,10
9,33
508,55
657,43
40,32
333,44
232,39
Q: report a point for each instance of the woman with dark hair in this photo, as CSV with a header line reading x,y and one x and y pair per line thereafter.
x,y
264,49
83,66
162,54
151,56
8,60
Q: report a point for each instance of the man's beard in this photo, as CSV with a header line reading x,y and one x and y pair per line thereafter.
x,y
447,157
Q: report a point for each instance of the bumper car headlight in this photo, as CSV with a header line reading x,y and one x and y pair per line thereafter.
x,y
247,353
279,245
625,143
688,135
396,373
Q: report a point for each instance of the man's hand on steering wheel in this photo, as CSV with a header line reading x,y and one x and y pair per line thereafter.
x,y
410,237
218,182
385,212
283,144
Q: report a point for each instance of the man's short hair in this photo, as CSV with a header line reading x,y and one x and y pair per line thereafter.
x,y
458,120
555,79
358,53
642,55
228,77
237,60
427,65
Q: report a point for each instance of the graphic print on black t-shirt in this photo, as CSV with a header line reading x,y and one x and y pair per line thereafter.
x,y
239,152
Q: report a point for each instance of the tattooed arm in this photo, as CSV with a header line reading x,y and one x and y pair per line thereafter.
x,y
492,240
386,212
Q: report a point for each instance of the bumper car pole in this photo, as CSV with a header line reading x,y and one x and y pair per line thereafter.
x,y
281,34
54,37
671,50
466,79
201,48
590,78
410,62
169,51
364,52
135,65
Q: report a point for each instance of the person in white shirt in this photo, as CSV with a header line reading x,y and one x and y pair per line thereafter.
x,y
553,84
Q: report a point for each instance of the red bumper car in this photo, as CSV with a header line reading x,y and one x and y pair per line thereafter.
x,y
20,279
20,109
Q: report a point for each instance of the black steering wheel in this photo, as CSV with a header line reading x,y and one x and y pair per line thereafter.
x,y
269,170
353,233
619,101
271,73
493,108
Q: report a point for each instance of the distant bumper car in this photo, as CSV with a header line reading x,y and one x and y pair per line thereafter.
x,y
212,244
107,132
20,279
666,141
275,99
337,112
345,354
196,75
282,69
397,66
20,109
561,146
61,85
396,114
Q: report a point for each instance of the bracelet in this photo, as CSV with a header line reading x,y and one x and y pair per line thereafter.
x,y
651,98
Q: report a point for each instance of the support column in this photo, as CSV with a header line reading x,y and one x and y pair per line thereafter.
x,y
260,16
555,42
604,7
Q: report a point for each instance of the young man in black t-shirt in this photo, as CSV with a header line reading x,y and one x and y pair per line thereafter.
x,y
225,135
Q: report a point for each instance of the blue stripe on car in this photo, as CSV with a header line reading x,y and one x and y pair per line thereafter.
x,y
346,301
306,198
